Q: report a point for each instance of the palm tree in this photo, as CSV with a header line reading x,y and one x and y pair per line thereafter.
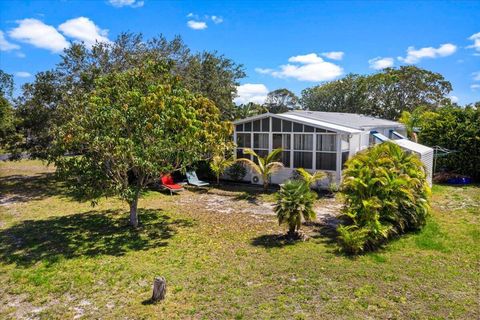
x,y
266,165
220,164
310,178
294,203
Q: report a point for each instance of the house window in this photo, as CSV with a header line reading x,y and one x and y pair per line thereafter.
x,y
286,126
277,125
239,127
266,125
326,142
297,127
243,140
326,157
326,161
260,141
282,141
256,125
302,160
248,126
308,129
303,151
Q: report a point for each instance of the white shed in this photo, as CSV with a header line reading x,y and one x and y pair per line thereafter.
x,y
425,153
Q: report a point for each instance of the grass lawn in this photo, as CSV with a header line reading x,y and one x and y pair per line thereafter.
x,y
60,259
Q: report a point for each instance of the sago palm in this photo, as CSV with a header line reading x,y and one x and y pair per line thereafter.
x,y
266,166
294,203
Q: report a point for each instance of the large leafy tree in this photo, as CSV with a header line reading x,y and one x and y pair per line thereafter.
x,y
8,120
136,125
385,94
458,129
281,100
57,94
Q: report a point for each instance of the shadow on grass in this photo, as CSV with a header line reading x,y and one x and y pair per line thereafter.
x,y
27,188
91,234
273,241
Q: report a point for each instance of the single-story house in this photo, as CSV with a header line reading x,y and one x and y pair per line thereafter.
x,y
316,140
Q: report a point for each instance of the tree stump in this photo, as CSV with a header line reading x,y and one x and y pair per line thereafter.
x,y
159,289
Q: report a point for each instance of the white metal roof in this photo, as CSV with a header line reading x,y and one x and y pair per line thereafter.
x,y
336,121
351,120
413,146
303,120
317,123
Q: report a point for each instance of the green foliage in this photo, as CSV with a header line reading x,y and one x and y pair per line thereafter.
x,y
386,193
352,239
7,113
457,129
310,178
220,164
385,94
264,166
249,110
281,100
237,171
56,95
294,203
133,129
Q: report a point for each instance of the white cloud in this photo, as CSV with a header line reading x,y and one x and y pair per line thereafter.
x,y
124,3
475,86
197,25
308,67
20,55
251,92
5,45
83,29
454,99
476,41
334,55
23,74
217,19
414,55
476,76
379,63
38,34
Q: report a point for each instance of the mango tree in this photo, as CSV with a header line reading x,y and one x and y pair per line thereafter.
x,y
136,125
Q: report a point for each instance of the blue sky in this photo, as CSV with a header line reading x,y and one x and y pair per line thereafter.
x,y
290,45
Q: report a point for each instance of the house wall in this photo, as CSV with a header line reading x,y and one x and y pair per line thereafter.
x,y
323,145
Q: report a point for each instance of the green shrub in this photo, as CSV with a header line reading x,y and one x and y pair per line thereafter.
x,y
352,239
386,193
294,202
237,171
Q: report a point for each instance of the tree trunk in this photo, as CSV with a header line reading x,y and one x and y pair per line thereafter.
x,y
133,213
159,289
218,180
265,185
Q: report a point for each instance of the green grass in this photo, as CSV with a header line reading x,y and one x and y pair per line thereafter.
x,y
60,259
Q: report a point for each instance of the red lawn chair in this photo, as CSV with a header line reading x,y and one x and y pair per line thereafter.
x,y
167,183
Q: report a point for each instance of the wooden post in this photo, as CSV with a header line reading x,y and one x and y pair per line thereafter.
x,y
159,289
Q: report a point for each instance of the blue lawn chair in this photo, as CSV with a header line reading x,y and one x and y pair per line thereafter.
x,y
194,181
